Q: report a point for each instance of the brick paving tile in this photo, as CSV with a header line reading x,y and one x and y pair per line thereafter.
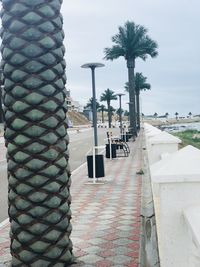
x,y
80,253
122,250
108,245
122,241
105,218
134,246
96,241
92,250
107,253
134,238
91,259
131,264
133,254
82,245
104,263
120,259
110,237
111,231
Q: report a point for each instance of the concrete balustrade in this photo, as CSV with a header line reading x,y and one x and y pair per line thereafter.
x,y
192,218
176,193
159,143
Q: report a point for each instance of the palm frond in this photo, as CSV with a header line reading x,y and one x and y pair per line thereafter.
x,y
113,52
126,87
140,82
131,41
108,95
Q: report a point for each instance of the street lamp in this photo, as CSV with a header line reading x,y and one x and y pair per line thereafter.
x,y
93,66
120,111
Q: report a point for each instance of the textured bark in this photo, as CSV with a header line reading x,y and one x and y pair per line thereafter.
x,y
131,82
36,133
138,109
102,116
109,116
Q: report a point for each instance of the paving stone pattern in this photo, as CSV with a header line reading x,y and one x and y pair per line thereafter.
x,y
105,217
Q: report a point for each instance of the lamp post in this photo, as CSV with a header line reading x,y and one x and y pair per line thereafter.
x,y
120,111
93,66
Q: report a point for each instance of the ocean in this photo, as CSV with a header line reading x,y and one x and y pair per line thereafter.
x,y
179,127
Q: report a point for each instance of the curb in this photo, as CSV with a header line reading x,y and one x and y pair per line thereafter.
x,y
6,221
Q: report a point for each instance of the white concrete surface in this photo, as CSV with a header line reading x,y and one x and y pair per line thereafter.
x,y
176,187
159,143
192,218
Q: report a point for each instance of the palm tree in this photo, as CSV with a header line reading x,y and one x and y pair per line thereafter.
x,y
140,84
166,115
90,104
102,108
1,107
36,134
107,96
126,113
155,115
190,114
131,42
119,111
176,114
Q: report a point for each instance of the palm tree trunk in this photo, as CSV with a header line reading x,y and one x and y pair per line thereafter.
x,y
1,108
131,82
109,115
102,115
138,109
36,133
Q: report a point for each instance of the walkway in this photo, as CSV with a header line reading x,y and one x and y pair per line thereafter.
x,y
106,217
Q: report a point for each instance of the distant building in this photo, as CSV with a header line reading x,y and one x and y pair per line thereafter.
x,y
72,105
88,113
75,105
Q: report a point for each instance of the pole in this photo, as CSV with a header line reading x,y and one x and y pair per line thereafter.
x,y
94,164
120,113
94,107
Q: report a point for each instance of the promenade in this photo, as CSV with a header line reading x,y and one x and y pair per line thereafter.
x,y
105,217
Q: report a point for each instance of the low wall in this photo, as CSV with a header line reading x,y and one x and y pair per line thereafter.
x,y
175,180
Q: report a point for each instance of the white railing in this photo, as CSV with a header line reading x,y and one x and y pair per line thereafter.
x,y
175,179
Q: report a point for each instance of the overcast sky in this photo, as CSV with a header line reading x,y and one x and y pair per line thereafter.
x,y
174,75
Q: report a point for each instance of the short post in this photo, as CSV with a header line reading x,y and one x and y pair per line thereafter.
x,y
120,111
110,144
94,164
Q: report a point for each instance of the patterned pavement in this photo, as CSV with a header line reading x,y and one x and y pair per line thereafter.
x,y
2,149
105,217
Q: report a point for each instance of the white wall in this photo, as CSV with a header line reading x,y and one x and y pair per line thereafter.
x,y
176,193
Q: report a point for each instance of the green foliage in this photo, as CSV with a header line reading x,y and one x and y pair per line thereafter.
x,y
131,42
90,104
188,138
140,83
126,113
119,111
107,96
